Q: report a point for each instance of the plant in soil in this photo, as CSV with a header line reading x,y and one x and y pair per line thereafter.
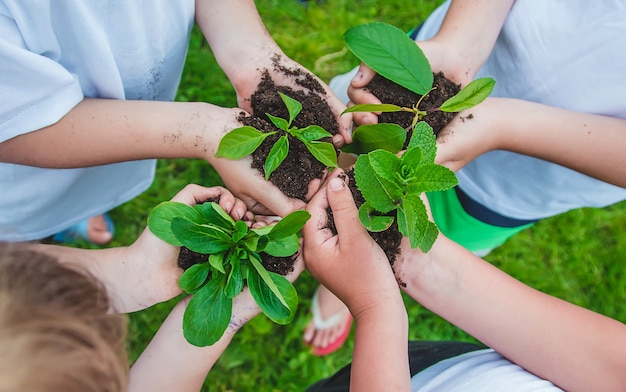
x,y
390,186
233,257
395,57
243,141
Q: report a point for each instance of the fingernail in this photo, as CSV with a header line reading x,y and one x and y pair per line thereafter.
x,y
336,184
240,212
228,205
358,76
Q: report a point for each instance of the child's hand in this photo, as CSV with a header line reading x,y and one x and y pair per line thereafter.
x,y
349,263
153,264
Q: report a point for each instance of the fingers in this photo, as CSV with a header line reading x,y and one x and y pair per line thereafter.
x,y
345,212
363,76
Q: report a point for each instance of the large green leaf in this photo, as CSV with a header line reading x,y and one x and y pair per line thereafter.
x,y
293,107
214,214
431,177
203,239
265,276
194,277
370,137
372,222
280,309
470,96
290,224
283,247
160,219
374,190
313,132
241,142
374,107
276,156
207,315
323,152
235,283
392,54
412,219
424,138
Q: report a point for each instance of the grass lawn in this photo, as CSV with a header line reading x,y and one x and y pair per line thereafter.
x,y
576,256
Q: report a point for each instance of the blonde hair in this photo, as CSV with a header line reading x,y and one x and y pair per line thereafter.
x,y
56,332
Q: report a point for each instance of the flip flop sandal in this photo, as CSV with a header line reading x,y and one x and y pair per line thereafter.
x,y
320,324
78,232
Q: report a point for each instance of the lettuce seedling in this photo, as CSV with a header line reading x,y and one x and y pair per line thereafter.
x,y
245,140
393,55
390,183
233,259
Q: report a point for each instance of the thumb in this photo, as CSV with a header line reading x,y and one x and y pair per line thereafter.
x,y
363,76
345,213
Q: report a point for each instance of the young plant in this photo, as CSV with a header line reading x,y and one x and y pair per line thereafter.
x,y
391,183
393,55
245,140
233,260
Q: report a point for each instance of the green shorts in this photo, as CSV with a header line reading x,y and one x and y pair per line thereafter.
x,y
464,229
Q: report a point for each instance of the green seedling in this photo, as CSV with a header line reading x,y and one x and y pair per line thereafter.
x,y
390,183
243,141
233,260
393,55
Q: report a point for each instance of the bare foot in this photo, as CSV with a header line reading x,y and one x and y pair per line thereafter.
x,y
329,306
97,230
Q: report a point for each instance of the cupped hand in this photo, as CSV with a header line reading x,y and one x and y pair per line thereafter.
x,y
282,70
348,263
154,264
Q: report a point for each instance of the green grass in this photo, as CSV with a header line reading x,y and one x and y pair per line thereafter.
x,y
576,256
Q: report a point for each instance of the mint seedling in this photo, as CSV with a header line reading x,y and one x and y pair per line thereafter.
x,y
243,141
233,260
390,183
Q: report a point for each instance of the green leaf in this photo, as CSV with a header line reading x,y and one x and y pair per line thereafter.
x,y
280,123
413,220
323,152
194,277
412,157
215,215
429,237
241,142
374,190
241,230
234,284
283,247
255,260
391,53
276,156
289,225
216,261
203,239
470,96
431,177
280,309
424,138
207,315
293,107
255,242
374,223
374,107
367,138
160,219
313,132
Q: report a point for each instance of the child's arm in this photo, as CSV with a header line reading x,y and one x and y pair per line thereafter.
x,y
244,48
575,348
588,143
146,272
356,269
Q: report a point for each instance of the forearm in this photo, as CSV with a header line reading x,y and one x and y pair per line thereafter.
x,y
170,354
380,350
470,29
588,143
101,131
237,36
568,345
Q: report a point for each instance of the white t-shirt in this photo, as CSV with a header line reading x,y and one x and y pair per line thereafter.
x,y
564,53
479,371
52,54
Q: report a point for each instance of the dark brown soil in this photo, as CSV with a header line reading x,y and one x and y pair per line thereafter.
x,y
388,92
300,167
